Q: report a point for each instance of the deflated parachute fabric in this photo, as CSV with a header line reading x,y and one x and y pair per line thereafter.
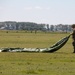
x,y
51,49
58,45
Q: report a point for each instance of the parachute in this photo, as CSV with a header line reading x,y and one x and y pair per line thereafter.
x,y
59,44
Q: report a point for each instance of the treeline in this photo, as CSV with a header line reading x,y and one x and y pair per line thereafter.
x,y
30,26
61,28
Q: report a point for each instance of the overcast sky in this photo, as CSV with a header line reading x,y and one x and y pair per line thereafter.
x,y
38,11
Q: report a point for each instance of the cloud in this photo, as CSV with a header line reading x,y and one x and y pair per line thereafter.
x,y
37,8
42,8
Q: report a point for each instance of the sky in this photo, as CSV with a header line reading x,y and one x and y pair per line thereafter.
x,y
50,12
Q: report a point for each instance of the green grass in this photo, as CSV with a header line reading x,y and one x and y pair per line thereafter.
x,y
62,62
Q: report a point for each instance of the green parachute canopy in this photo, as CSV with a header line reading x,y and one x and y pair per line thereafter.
x,y
59,44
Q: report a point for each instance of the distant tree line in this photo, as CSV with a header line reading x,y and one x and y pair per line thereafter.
x,y
30,26
61,28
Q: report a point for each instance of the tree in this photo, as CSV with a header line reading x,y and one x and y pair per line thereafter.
x,y
52,28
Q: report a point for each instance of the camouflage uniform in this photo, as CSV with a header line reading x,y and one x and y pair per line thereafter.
x,y
73,36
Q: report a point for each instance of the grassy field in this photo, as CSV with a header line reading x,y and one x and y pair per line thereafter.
x,y
62,62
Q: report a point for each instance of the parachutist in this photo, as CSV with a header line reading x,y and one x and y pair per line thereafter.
x,y
73,37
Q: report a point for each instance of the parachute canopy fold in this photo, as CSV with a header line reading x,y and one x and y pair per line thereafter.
x,y
59,44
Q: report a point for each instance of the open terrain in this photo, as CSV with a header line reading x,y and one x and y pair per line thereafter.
x,y
61,62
